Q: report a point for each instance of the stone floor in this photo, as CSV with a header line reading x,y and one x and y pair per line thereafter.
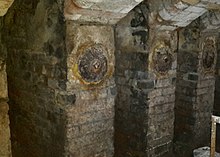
x,y
203,152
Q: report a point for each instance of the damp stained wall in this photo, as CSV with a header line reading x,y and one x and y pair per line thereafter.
x,y
34,35
197,56
5,143
145,78
217,85
58,106
84,89
91,61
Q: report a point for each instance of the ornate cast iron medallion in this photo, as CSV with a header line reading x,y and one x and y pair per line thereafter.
x,y
162,59
93,64
208,55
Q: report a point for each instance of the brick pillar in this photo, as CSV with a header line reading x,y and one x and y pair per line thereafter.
x,y
161,98
36,72
216,109
217,84
131,119
145,79
90,69
5,143
195,89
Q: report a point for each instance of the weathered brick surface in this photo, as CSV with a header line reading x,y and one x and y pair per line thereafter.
x,y
60,107
178,14
161,120
131,120
145,101
102,11
217,92
161,100
5,143
131,115
3,79
49,115
34,35
217,84
194,93
90,121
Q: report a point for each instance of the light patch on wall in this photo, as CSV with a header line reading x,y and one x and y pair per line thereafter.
x,y
3,80
4,6
191,2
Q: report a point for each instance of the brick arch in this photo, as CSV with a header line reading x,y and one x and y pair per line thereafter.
x,y
182,13
98,11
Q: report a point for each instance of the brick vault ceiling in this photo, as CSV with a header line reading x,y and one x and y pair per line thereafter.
x,y
98,11
179,14
183,12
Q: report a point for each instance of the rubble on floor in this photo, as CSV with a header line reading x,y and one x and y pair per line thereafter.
x,y
203,152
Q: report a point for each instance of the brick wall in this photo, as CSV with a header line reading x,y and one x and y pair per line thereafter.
x,y
90,77
161,98
146,90
64,77
34,35
195,88
217,84
58,106
131,119
5,143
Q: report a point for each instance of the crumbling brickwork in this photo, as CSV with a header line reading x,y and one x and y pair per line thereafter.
x,y
217,84
90,77
195,88
34,35
146,90
49,115
5,143
161,98
131,119
100,12
81,87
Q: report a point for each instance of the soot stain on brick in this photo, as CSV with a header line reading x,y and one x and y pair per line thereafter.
x,y
191,34
139,25
143,37
139,18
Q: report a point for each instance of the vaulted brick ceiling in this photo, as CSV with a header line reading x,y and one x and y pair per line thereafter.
x,y
98,11
182,13
179,14
4,5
